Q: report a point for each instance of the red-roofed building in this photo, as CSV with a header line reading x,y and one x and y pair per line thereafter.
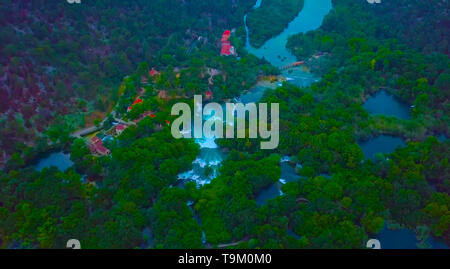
x,y
226,49
162,94
149,114
96,147
120,128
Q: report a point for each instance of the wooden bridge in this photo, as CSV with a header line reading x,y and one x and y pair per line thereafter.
x,y
292,65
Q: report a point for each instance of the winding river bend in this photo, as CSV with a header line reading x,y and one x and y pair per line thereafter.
x,y
206,166
275,51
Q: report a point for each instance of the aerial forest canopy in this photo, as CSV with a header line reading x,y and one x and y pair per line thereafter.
x,y
61,59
